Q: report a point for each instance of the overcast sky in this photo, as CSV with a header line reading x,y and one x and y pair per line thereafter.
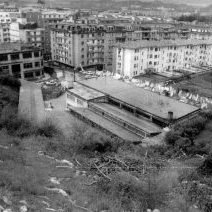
x,y
193,2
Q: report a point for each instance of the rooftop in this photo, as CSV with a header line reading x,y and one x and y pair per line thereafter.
x,y
145,100
85,92
15,47
163,43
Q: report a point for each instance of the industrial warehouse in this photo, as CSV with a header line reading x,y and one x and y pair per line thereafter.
x,y
139,111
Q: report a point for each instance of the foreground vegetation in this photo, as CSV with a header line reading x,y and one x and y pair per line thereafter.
x,y
107,174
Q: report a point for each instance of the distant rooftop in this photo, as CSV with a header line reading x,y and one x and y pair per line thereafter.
x,y
163,43
15,47
145,100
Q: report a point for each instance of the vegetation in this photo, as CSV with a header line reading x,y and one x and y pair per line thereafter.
x,y
52,92
182,136
11,82
106,174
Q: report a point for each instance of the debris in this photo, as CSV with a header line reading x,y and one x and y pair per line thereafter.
x,y
102,172
64,167
46,203
4,147
23,202
7,210
78,162
23,208
90,184
67,162
6,200
54,180
60,191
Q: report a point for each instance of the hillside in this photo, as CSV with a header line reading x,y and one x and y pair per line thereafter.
x,y
101,4
41,169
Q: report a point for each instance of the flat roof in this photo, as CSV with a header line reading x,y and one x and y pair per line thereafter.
x,y
163,43
16,47
85,92
145,100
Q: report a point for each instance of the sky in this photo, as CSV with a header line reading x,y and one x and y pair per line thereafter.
x,y
192,2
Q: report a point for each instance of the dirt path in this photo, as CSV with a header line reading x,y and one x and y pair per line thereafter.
x,y
31,105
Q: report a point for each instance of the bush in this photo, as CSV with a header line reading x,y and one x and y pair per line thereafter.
x,y
206,167
172,136
10,81
48,129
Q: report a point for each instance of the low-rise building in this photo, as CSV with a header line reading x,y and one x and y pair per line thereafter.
x,y
133,58
21,61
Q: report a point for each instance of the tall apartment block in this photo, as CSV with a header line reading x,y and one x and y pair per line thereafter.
x,y
86,45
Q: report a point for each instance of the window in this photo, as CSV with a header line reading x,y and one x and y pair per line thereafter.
x,y
27,65
82,56
3,57
136,50
27,54
82,43
14,56
37,64
79,101
28,75
5,67
36,54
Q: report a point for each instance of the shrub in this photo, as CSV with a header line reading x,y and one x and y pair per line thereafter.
x,y
48,129
183,143
172,137
10,81
206,167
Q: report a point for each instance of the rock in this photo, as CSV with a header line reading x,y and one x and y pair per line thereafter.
x,y
77,173
6,200
23,208
23,202
7,210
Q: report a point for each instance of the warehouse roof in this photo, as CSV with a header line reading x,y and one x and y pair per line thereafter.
x,y
145,100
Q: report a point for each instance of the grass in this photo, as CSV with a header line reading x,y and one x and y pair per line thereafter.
x,y
200,84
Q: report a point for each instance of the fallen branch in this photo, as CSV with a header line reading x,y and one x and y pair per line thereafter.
x,y
78,162
104,164
78,206
102,172
90,184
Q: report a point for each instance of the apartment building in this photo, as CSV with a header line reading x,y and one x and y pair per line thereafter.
x,y
86,45
21,61
134,58
27,33
5,32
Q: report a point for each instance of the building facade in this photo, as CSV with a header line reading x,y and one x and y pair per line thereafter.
x,y
86,45
134,58
20,61
27,34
